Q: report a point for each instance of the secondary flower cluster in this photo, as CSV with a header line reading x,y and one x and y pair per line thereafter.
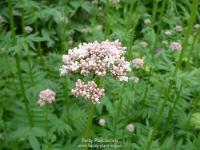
x,y
46,96
137,63
96,58
89,91
176,46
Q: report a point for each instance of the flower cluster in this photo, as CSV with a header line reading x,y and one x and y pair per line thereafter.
x,y
97,58
143,44
197,26
28,29
176,46
89,91
130,127
46,96
137,63
178,28
147,21
102,122
115,1
168,33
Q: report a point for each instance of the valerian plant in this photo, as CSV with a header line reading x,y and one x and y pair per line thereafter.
x,y
67,83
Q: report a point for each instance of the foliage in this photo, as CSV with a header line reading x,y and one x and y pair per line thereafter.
x,y
60,25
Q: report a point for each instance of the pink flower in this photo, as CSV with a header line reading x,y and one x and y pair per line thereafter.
x,y
96,58
46,96
89,91
137,63
176,46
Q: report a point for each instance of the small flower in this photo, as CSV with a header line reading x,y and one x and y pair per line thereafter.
x,y
168,33
102,122
28,29
178,28
197,26
137,63
143,44
158,50
147,21
164,42
46,96
89,91
115,1
176,46
130,127
135,79
123,78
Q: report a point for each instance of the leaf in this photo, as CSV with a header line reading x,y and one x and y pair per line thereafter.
x,y
34,143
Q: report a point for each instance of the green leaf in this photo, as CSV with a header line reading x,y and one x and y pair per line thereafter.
x,y
34,143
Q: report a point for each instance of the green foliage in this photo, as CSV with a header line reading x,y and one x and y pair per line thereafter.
x,y
58,26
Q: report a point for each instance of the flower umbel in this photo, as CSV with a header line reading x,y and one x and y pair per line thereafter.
x,y
46,96
89,91
97,58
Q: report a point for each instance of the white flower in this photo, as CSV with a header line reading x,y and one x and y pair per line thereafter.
x,y
168,33
147,21
178,28
102,122
143,44
130,127
123,78
197,26
164,42
135,79
28,29
75,66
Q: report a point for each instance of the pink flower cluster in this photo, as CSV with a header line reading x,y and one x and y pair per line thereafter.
x,y
46,96
96,58
137,63
176,46
89,91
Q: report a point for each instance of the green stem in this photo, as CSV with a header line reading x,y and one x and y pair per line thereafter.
x,y
155,7
191,50
88,129
172,109
107,26
117,117
12,26
47,128
28,57
63,36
